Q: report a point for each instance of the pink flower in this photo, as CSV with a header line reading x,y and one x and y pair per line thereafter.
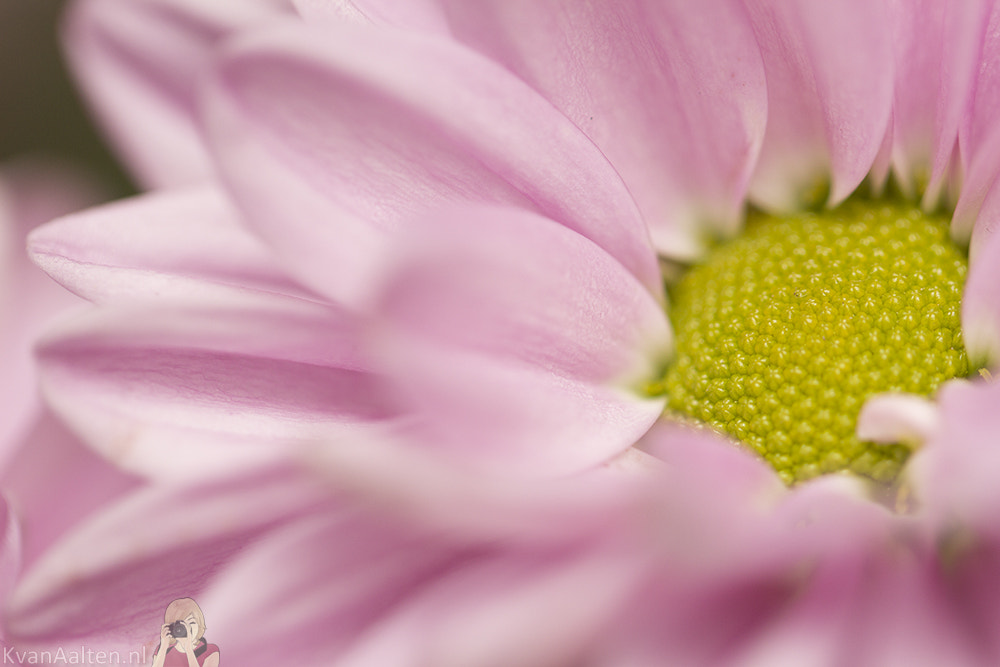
x,y
426,254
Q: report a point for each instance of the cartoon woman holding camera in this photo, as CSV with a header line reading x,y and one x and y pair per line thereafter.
x,y
182,638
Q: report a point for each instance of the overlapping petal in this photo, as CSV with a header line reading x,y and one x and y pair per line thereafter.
x,y
640,578
329,136
829,98
417,14
672,92
936,48
955,471
183,247
350,571
30,194
49,458
204,343
230,389
106,582
882,606
520,341
401,590
979,140
955,477
140,60
981,304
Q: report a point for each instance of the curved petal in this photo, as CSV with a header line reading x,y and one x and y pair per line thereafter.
x,y
521,343
727,568
138,60
982,222
11,548
954,475
108,582
49,458
371,589
737,475
829,89
330,136
897,418
416,14
814,628
936,48
672,92
979,137
883,606
350,568
909,615
30,194
186,247
493,609
388,473
981,304
971,569
154,391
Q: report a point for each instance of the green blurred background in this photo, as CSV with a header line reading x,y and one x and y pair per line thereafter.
x,y
40,111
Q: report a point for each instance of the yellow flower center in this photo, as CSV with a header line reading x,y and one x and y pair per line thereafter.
x,y
784,332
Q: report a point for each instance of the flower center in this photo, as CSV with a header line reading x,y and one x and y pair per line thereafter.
x,y
784,332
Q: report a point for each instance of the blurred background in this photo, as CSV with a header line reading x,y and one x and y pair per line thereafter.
x,y
41,113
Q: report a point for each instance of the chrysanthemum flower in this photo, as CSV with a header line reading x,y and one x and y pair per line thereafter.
x,y
454,209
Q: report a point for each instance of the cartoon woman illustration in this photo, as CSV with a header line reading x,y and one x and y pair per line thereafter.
x,y
182,638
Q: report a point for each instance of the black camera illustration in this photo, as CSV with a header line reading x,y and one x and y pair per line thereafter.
x,y
177,629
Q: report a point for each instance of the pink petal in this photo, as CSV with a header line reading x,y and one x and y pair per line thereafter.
x,y
139,59
892,418
672,92
883,605
331,576
331,136
954,475
814,628
11,549
388,472
51,458
727,567
30,193
981,304
182,246
502,609
828,533
417,14
521,343
362,587
107,584
734,473
978,217
936,45
909,614
970,574
830,85
228,388
979,138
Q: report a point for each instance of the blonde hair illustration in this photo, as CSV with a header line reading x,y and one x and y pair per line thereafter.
x,y
180,609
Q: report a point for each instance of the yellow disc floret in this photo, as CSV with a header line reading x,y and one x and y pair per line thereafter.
x,y
784,332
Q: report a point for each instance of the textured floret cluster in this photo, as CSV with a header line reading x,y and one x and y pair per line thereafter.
x,y
783,333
